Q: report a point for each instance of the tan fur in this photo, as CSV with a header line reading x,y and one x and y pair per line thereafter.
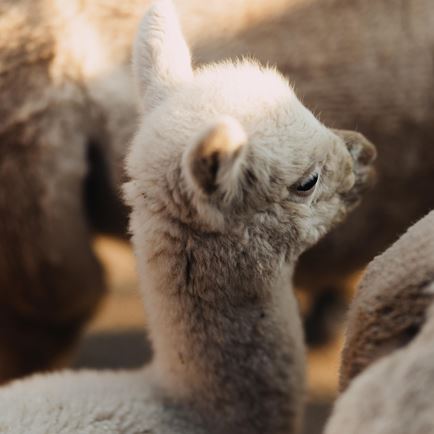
x,y
214,263
391,301
66,94
388,360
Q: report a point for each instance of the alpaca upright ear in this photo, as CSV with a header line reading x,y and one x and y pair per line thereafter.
x,y
161,58
215,162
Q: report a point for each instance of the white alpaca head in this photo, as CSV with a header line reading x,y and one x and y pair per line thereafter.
x,y
230,144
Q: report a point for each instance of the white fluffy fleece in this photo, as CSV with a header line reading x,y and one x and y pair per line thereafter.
x,y
231,178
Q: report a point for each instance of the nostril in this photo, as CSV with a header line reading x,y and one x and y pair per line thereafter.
x,y
368,154
363,153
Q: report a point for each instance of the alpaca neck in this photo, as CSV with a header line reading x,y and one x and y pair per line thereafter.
x,y
239,351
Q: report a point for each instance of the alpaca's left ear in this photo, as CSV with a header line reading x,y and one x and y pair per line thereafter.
x,y
215,162
161,58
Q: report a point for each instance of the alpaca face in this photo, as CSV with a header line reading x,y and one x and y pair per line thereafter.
x,y
230,145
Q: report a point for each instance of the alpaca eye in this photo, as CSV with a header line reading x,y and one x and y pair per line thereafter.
x,y
305,187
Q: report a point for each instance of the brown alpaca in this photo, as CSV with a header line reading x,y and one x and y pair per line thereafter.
x,y
68,112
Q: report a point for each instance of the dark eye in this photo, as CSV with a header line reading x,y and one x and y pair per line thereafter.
x,y
307,184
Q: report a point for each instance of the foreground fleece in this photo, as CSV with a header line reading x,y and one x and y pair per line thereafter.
x,y
391,319
232,178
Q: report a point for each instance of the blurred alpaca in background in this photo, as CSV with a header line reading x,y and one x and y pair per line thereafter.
x,y
387,370
68,111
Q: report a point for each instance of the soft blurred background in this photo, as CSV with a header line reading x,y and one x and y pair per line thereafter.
x,y
67,112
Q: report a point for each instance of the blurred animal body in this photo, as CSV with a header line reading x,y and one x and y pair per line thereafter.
x,y
388,360
68,112
231,178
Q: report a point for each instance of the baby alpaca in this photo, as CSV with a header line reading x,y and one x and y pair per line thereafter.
x,y
67,113
232,178
391,320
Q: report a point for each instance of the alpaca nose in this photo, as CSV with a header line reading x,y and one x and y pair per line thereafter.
x,y
362,150
363,154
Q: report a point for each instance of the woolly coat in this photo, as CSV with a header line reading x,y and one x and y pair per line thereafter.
x,y
389,348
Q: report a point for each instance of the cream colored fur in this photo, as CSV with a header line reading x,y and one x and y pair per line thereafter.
x,y
218,220
66,95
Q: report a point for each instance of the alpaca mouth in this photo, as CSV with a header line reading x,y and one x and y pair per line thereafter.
x,y
365,179
364,155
